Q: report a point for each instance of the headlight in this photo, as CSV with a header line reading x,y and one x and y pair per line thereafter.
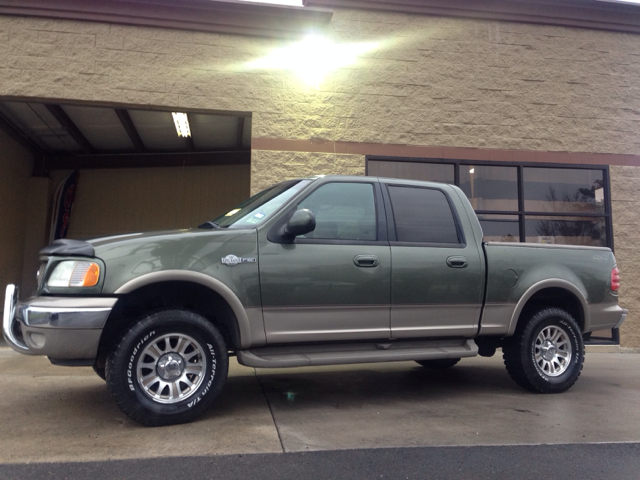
x,y
75,274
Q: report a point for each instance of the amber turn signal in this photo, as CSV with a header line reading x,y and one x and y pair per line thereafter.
x,y
85,274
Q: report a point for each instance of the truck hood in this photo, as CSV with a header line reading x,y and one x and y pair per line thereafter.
x,y
127,237
130,256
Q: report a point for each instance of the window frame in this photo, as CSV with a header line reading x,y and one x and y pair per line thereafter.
x,y
521,213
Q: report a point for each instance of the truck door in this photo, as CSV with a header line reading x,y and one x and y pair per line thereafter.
x,y
334,282
437,273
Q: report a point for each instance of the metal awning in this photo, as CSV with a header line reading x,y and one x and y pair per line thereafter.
x,y
83,136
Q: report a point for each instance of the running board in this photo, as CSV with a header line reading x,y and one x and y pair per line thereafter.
x,y
338,354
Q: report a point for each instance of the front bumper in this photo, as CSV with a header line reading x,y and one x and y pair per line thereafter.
x,y
62,328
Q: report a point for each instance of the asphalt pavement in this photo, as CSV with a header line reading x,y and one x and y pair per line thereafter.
x,y
569,462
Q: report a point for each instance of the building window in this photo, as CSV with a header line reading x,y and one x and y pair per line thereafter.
x,y
514,202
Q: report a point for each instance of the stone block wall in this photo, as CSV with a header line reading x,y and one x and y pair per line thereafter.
x,y
625,204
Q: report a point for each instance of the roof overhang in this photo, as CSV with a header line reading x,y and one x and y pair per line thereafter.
x,y
202,15
596,14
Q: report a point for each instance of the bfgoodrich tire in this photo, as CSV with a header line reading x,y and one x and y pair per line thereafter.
x,y
168,368
547,354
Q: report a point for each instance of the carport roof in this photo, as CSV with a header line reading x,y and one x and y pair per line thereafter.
x,y
85,135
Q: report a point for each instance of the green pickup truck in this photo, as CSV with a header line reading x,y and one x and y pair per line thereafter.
x,y
315,271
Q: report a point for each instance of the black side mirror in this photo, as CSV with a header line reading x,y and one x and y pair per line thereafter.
x,y
301,222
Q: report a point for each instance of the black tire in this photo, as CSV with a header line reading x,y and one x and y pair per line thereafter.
x,y
523,353
100,371
439,364
168,399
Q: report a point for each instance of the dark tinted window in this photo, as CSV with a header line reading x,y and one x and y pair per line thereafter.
x,y
343,211
422,215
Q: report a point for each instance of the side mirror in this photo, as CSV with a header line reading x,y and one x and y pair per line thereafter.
x,y
301,222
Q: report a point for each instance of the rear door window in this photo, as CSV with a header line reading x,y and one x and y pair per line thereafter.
x,y
423,215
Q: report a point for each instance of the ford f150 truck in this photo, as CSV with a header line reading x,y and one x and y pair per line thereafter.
x,y
315,271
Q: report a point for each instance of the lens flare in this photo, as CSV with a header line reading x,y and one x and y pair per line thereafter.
x,y
314,58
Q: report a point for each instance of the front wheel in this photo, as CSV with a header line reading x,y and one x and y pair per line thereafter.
x,y
546,356
168,368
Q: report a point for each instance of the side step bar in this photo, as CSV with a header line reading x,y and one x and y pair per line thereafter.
x,y
393,351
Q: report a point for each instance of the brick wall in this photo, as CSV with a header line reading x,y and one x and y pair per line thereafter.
x,y
433,81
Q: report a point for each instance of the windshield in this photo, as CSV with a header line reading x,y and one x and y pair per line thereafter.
x,y
255,210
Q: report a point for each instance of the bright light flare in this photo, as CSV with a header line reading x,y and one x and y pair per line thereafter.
x,y
182,124
314,58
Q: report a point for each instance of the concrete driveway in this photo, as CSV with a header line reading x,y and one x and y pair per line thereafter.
x,y
51,414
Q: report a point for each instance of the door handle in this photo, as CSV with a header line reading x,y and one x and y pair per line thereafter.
x,y
366,261
457,262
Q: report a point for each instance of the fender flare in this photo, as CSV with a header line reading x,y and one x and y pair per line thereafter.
x,y
244,328
550,283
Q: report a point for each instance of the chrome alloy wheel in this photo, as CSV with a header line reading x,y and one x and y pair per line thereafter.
x,y
171,368
553,351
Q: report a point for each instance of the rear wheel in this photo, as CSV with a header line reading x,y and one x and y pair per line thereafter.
x,y
439,364
168,368
547,354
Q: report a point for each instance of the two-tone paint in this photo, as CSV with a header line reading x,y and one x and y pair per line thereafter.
x,y
327,291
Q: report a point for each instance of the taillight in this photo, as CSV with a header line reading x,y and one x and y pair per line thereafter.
x,y
615,279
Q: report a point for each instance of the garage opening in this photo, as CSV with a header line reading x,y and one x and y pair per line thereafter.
x,y
134,172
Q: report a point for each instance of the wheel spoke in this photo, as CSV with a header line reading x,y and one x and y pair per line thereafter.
x,y
182,345
154,351
149,380
189,356
186,381
194,369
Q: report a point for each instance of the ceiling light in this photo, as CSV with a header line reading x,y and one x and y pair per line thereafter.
x,y
313,58
471,170
182,124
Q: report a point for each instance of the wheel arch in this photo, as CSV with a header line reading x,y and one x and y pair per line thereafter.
x,y
553,292
178,289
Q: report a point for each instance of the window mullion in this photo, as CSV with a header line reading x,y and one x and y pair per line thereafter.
x,y
521,217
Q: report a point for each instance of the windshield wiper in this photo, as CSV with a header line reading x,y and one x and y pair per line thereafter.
x,y
210,224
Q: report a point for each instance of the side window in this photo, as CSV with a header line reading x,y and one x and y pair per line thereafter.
x,y
343,211
422,215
